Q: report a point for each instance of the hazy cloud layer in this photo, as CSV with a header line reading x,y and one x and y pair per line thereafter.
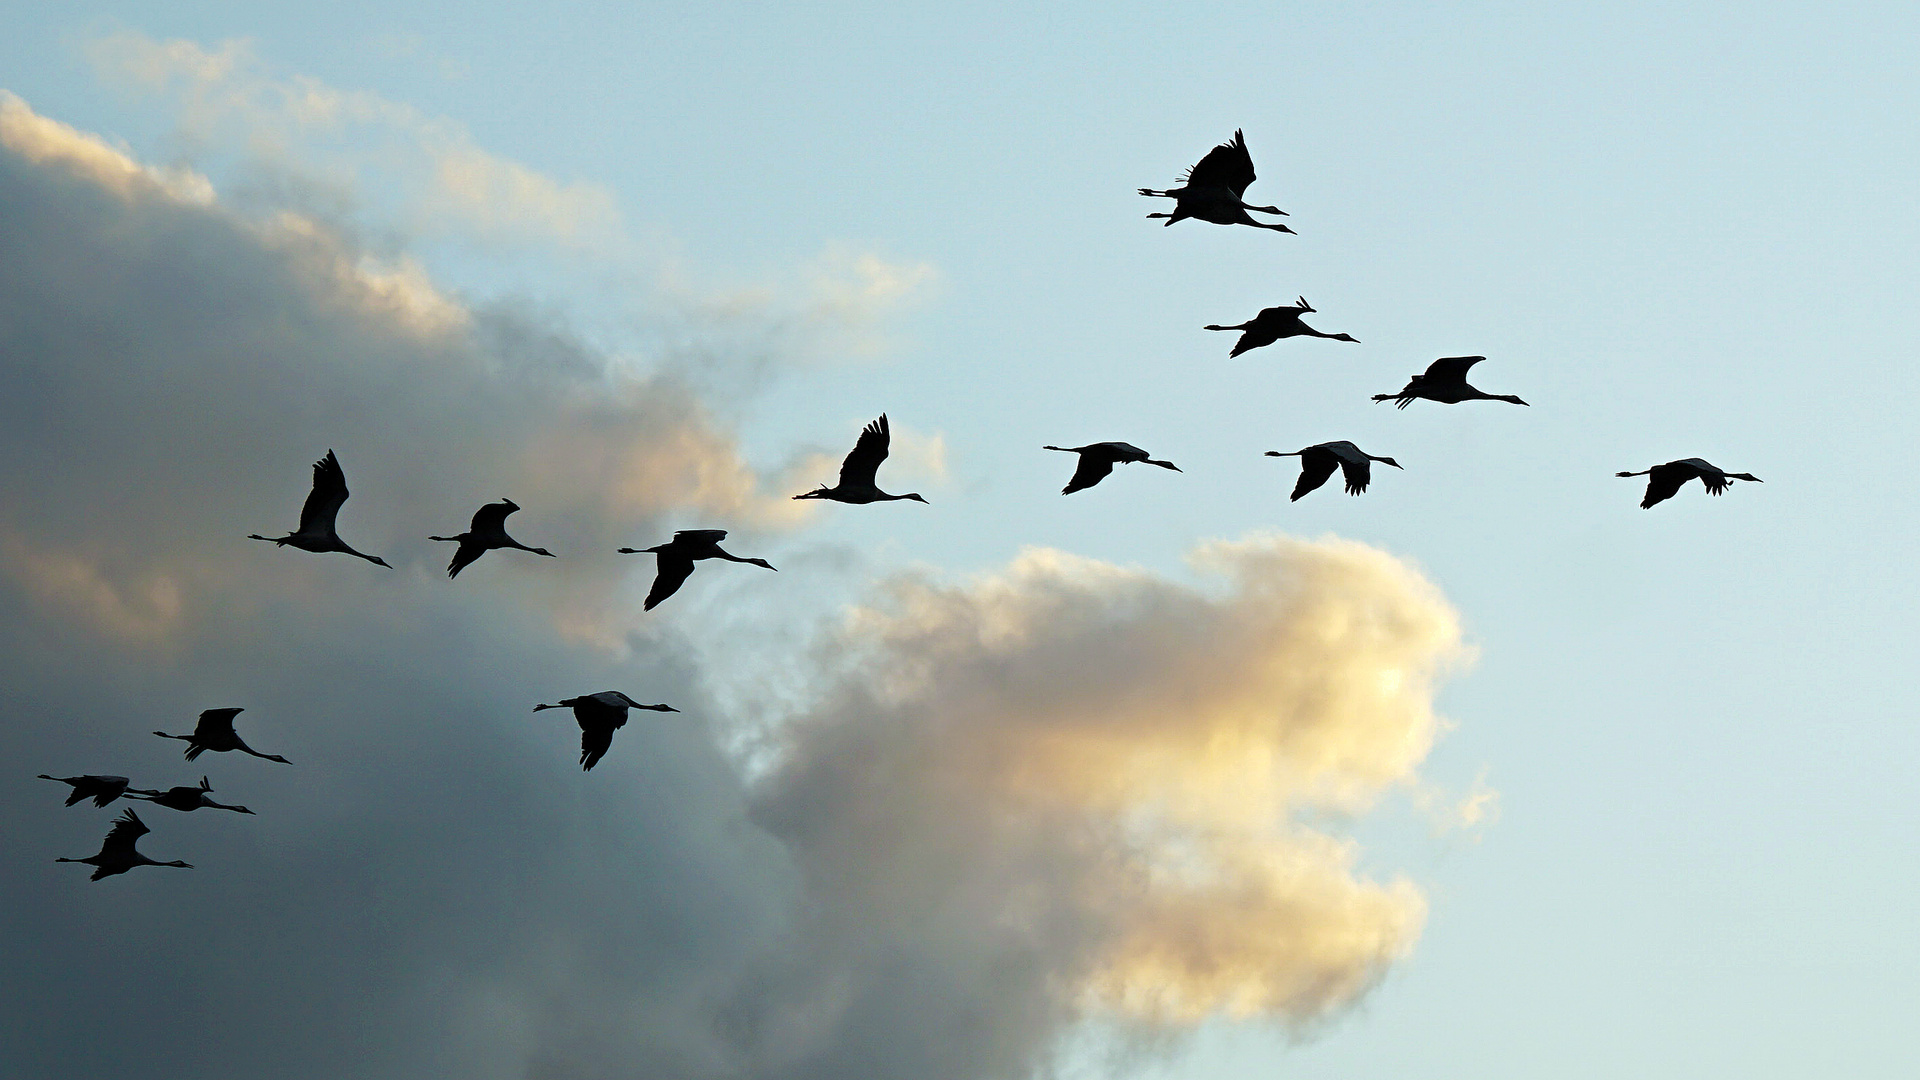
x,y
1064,790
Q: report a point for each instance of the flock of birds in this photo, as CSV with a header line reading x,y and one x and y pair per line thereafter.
x,y
1214,191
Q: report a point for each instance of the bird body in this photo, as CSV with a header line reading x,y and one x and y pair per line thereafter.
x,y
316,531
487,531
677,556
185,799
1445,381
1275,323
857,483
599,716
1664,481
1317,463
1215,188
101,789
214,731
1098,459
117,853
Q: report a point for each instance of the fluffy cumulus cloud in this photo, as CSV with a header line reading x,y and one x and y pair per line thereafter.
x,y
999,807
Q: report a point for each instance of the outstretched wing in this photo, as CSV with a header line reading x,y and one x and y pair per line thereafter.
x,y
491,518
674,571
466,553
1314,470
1663,482
323,502
594,744
214,724
700,536
860,466
1356,473
1451,368
127,830
1227,166
1093,469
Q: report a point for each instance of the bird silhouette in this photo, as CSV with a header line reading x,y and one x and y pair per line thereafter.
x,y
117,854
101,789
488,531
1664,481
317,515
599,716
1317,463
185,799
857,471
1275,323
677,556
1214,189
214,731
1445,380
1098,459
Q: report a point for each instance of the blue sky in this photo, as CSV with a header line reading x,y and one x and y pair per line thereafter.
x,y
1674,234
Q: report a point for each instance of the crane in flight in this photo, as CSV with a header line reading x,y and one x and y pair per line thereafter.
x,y
117,854
185,799
1664,481
214,731
1445,381
488,531
101,789
1275,323
317,515
1098,459
1317,463
857,471
1215,189
677,556
599,716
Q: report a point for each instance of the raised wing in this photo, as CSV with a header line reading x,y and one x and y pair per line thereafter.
x,y
674,571
323,502
1225,166
860,466
215,724
1316,465
492,518
126,831
700,536
1451,368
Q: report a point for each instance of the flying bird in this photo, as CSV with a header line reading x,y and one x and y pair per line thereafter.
x,y
1098,459
1445,380
1214,189
1317,463
856,472
1664,481
214,731
117,854
488,531
185,799
599,716
101,789
316,516
1275,323
677,557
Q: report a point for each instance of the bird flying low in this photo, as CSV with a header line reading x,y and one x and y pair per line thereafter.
x,y
317,515
1098,459
599,716
1664,481
488,531
1445,381
857,471
1317,463
185,799
1215,188
1275,323
101,789
677,556
117,854
214,731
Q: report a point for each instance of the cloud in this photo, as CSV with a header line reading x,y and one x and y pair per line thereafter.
x,y
1073,790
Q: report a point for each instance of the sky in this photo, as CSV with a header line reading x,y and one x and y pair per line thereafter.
x,y
1487,773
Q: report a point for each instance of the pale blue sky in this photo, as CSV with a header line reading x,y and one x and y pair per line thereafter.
x,y
1674,234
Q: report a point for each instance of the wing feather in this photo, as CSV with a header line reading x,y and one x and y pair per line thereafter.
x,y
323,502
863,462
